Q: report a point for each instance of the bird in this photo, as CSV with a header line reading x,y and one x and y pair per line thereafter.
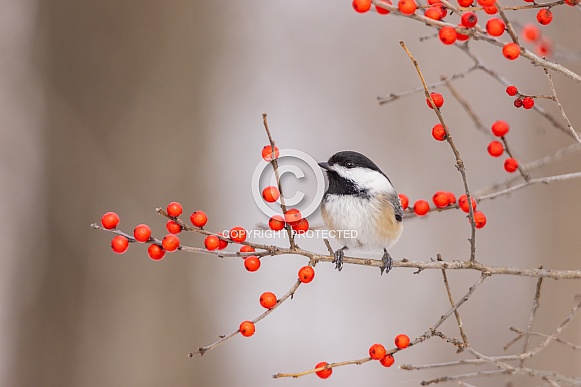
x,y
361,206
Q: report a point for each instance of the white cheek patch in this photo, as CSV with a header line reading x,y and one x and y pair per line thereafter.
x,y
365,178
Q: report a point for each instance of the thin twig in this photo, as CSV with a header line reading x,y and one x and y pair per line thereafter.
x,y
331,365
556,100
456,313
542,180
459,161
522,333
274,162
202,350
532,316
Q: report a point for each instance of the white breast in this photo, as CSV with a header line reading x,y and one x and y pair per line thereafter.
x,y
373,220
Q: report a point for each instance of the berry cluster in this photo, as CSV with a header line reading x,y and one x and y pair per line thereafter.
x,y
500,128
376,352
268,300
526,101
443,199
449,34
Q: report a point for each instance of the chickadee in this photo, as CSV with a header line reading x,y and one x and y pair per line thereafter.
x,y
361,198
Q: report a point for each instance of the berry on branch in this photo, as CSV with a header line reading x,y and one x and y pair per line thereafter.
x,y
142,232
268,300
323,374
110,220
252,263
156,252
402,341
511,51
421,207
306,274
174,209
119,244
377,352
437,97
247,328
199,219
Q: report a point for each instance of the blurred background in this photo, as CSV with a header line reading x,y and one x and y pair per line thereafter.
x,y
126,106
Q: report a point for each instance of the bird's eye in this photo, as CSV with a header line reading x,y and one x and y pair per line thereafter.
x,y
349,164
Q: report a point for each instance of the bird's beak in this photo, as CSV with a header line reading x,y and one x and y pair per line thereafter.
x,y
325,165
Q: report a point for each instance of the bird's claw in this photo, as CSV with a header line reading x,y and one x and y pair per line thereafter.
x,y
387,262
338,258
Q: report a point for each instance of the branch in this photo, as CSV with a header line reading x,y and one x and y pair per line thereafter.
x,y
459,162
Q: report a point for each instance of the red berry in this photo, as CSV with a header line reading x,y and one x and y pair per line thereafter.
x,y
402,341
222,244
268,300
267,153
510,165
531,33
405,202
518,102
511,51
407,7
173,227
528,102
495,148
199,219
544,16
451,198
119,244
495,26
387,361
511,90
437,97
247,249
323,374
142,232
247,328
252,263
441,199
432,2
155,252
361,6
500,128
464,3
479,219
270,194
174,209
110,220
238,234
301,227
170,242
292,216
212,242
572,3
447,36
276,223
306,274
438,132
463,203
469,19
382,11
421,207
433,13
486,3
377,352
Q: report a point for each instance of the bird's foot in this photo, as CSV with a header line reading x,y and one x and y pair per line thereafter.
x,y
387,262
338,258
